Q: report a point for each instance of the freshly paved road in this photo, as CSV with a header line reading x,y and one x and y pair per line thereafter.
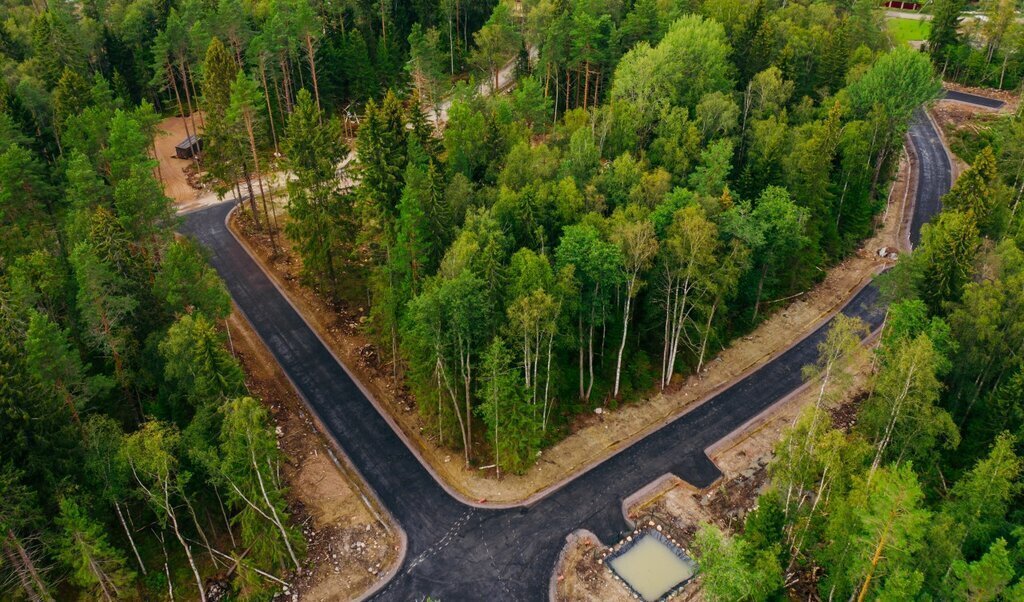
x,y
974,99
459,552
933,172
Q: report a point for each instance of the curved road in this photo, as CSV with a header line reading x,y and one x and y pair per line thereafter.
x,y
459,552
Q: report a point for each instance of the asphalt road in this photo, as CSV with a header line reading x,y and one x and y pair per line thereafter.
x,y
458,552
933,172
974,99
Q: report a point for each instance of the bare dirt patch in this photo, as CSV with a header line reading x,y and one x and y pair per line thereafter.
x,y
595,437
179,176
351,542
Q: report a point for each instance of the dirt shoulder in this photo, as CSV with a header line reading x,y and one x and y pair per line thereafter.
x,y
595,437
352,543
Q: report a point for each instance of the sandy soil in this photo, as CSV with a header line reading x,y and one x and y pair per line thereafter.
x,y
595,437
351,542
179,175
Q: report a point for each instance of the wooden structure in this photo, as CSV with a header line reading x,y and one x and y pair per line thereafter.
x,y
902,5
188,147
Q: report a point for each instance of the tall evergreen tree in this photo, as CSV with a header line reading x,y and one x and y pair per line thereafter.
x,y
314,149
96,565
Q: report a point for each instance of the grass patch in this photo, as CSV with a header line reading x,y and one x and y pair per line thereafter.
x,y
903,31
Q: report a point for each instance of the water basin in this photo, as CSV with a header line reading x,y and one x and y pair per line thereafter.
x,y
652,566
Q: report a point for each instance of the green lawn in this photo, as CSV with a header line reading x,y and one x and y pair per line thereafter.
x,y
907,30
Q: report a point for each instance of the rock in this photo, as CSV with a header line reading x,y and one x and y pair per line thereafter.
x,y
599,411
748,472
279,431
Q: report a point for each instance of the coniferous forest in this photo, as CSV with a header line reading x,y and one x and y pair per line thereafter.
x,y
550,206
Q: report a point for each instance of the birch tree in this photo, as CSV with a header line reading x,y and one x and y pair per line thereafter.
x,y
596,266
634,235
686,264
17,515
109,474
901,418
150,453
250,465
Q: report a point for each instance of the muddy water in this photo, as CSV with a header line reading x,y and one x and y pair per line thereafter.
x,y
651,568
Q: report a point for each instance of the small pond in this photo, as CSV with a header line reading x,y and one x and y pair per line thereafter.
x,y
652,566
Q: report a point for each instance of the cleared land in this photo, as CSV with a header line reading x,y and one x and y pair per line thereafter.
x,y
904,31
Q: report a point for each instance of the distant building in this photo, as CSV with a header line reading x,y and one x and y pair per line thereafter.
x,y
902,5
188,147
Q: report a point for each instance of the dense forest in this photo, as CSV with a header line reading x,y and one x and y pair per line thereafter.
x,y
658,177
132,455
921,499
654,185
134,463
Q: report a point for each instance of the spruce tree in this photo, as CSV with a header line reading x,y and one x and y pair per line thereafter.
x,y
313,148
83,546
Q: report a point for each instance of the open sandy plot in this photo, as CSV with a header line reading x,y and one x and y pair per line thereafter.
x,y
170,132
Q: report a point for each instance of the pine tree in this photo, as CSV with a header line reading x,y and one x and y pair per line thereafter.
x,y
982,497
877,533
513,426
382,149
245,107
57,367
944,33
219,71
104,308
945,259
986,578
71,95
414,243
426,67
977,193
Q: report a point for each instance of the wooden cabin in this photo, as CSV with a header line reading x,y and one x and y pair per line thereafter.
x,y
188,147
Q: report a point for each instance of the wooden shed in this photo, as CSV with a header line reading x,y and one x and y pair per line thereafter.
x,y
188,147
